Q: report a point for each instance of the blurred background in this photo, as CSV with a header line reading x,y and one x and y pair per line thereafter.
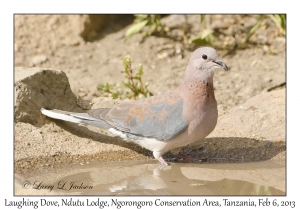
x,y
91,50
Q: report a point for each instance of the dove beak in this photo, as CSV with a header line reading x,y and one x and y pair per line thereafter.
x,y
221,64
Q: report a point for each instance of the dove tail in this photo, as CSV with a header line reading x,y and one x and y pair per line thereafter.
x,y
74,117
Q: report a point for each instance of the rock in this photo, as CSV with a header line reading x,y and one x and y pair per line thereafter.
x,y
36,88
89,26
262,117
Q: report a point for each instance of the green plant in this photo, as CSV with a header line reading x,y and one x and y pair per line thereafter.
x,y
133,82
141,21
279,20
207,35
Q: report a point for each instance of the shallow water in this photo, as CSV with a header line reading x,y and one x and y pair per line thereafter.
x,y
144,178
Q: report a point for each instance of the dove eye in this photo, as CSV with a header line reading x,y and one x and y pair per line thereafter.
x,y
204,56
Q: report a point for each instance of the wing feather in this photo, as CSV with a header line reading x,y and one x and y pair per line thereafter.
x,y
159,117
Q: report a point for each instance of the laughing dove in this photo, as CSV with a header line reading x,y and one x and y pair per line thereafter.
x,y
167,121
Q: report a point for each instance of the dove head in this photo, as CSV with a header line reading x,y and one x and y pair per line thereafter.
x,y
206,59
203,64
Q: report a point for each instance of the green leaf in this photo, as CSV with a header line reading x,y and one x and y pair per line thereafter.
x,y
141,17
107,87
136,28
141,96
126,83
206,36
255,27
140,72
203,21
115,95
128,95
280,21
100,86
206,33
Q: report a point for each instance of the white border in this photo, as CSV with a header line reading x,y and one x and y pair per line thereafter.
x,y
154,6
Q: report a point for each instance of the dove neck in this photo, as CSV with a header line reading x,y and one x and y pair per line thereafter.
x,y
199,87
206,76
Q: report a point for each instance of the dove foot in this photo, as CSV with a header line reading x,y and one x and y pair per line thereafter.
x,y
163,163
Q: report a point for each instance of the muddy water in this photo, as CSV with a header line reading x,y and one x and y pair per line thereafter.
x,y
144,178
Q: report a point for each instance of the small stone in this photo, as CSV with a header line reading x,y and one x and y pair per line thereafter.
x,y
266,48
38,59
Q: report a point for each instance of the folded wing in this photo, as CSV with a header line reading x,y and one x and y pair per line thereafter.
x,y
159,117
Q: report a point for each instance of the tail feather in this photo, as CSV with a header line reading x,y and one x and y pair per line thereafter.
x,y
75,117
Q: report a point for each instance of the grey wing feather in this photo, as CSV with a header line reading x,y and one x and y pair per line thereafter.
x,y
161,121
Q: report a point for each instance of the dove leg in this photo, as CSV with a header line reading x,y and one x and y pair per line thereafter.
x,y
158,156
163,163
